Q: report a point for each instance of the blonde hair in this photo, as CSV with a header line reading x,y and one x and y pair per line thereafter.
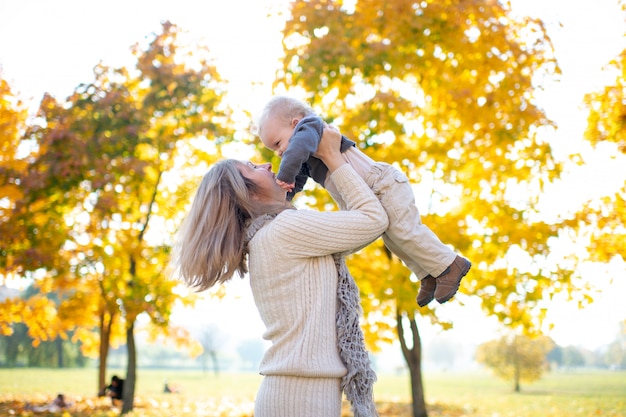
x,y
283,107
210,242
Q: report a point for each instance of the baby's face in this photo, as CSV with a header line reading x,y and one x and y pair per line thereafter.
x,y
276,134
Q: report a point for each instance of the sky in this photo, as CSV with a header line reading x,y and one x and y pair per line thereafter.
x,y
52,46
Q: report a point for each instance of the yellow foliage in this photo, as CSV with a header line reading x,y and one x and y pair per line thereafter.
x,y
445,90
40,316
10,312
12,119
12,123
89,341
516,358
607,109
605,124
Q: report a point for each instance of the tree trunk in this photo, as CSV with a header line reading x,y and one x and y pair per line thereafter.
x,y
131,370
413,358
59,347
11,351
106,322
216,367
516,365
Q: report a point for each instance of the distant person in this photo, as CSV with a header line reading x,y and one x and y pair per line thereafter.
x,y
115,390
55,406
59,402
292,129
169,388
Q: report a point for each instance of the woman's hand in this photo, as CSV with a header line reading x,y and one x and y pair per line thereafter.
x,y
329,149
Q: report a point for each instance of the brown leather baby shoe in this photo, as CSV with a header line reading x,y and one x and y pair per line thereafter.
x,y
448,282
426,294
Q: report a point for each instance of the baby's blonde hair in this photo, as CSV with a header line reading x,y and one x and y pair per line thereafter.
x,y
284,107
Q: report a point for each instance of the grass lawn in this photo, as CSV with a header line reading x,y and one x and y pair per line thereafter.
x,y
473,394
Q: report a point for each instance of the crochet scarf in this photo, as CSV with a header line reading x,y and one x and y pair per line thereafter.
x,y
358,383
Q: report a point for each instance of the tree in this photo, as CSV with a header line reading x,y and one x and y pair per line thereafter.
x,y
105,191
445,90
605,126
555,356
18,349
615,356
30,219
573,357
211,339
604,220
145,121
517,358
12,123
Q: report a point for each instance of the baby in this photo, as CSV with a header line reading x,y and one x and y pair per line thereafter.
x,y
293,130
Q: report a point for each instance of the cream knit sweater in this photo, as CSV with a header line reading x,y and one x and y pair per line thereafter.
x,y
294,278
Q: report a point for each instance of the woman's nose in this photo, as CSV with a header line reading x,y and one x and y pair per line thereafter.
x,y
267,166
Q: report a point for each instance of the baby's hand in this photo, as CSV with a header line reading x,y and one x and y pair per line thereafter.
x,y
288,186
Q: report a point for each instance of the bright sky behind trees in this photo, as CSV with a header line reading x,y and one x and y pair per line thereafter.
x,y
52,46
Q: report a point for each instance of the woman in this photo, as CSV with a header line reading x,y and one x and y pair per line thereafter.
x,y
239,210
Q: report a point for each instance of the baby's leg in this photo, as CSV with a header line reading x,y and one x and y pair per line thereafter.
x,y
407,237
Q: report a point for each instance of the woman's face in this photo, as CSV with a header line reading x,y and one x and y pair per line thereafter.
x,y
264,178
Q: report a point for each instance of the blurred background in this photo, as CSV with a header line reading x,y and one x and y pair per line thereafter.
x,y
513,149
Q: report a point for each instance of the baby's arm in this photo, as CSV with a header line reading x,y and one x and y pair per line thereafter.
x,y
302,146
287,186
301,179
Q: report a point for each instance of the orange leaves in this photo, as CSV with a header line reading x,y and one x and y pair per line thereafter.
x,y
12,122
91,210
446,90
40,405
12,167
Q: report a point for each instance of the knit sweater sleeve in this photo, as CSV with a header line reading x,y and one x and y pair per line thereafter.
x,y
311,233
